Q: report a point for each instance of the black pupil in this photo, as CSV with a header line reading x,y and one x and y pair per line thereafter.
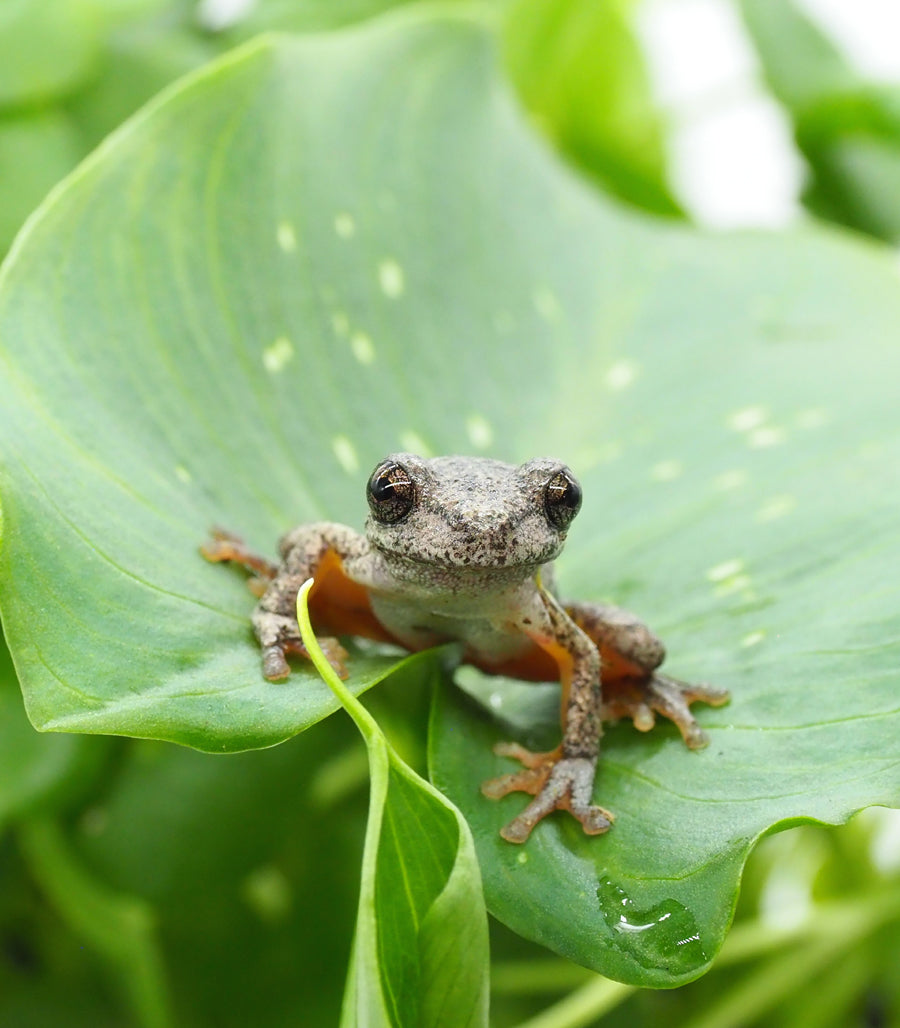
x,y
383,487
562,499
391,493
564,492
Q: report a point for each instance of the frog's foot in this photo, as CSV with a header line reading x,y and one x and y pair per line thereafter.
x,y
279,635
556,782
643,699
225,546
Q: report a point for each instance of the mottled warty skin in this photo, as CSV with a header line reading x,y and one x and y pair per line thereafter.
x,y
460,548
473,512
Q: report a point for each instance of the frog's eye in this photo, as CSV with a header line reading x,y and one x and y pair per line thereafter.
x,y
562,499
391,493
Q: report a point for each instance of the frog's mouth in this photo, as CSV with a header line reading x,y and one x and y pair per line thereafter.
x,y
466,563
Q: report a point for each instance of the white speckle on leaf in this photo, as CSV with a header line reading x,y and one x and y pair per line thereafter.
x,y
748,418
412,442
522,857
753,638
495,700
391,278
546,303
183,475
765,436
735,584
814,417
620,375
363,347
726,569
733,479
277,355
344,225
286,236
345,452
776,507
479,430
340,323
666,470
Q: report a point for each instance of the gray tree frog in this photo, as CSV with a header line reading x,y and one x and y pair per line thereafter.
x,y
461,548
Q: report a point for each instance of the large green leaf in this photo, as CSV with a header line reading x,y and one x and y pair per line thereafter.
x,y
324,249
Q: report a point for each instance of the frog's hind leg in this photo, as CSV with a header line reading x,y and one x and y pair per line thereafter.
x,y
642,699
630,655
224,546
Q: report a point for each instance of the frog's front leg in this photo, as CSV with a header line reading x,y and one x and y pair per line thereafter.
x,y
630,655
564,778
327,552
225,547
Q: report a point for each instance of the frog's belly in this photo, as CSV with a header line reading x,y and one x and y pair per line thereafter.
x,y
487,641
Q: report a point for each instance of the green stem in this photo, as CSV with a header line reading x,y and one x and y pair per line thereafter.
x,y
582,1007
119,927
527,977
364,720
769,983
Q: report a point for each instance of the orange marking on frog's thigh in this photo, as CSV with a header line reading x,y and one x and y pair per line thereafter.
x,y
539,663
340,606
615,667
533,665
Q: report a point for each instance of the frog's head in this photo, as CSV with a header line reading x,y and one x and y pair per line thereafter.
x,y
470,512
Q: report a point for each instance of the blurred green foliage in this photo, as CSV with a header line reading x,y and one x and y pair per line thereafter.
x,y
138,878
847,128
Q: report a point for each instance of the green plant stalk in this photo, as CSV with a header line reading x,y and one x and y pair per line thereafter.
x,y
119,927
583,1007
767,984
362,718
378,787
368,997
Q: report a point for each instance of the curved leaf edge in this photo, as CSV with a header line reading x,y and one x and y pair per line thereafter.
x,y
501,901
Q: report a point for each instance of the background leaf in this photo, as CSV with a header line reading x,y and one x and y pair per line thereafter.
x,y
47,48
36,151
120,928
847,128
38,771
249,295
579,70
